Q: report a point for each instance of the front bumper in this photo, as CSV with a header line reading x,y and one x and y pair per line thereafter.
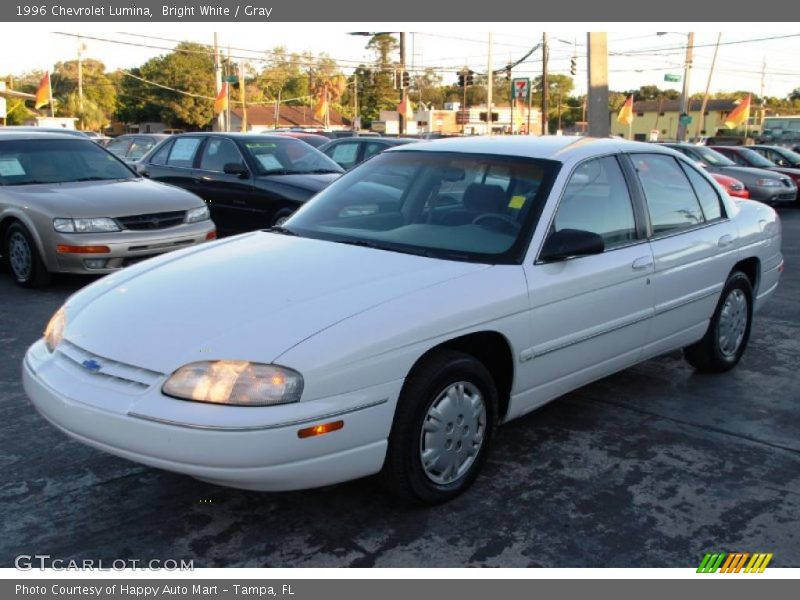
x,y
772,194
264,453
125,247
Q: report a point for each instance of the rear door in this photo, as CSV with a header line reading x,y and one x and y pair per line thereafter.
x,y
693,244
229,196
345,154
177,167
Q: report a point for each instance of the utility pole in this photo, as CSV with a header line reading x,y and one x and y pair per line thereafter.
x,y
599,125
545,127
356,119
80,81
687,70
489,85
701,122
219,122
228,73
401,118
243,127
558,100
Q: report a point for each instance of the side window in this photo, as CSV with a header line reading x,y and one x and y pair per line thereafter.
x,y
735,157
183,151
219,152
706,194
345,154
160,157
373,148
597,199
119,147
670,199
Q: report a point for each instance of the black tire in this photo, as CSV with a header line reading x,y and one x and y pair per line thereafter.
x,y
281,216
30,272
708,355
403,474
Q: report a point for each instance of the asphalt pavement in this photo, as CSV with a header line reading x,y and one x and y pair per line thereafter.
x,y
652,467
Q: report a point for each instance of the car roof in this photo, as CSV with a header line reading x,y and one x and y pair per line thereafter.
x,y
552,147
36,135
35,129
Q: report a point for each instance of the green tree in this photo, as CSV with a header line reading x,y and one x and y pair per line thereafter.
x,y
377,91
99,92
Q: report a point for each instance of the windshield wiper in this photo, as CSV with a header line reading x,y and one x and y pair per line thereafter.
x,y
280,172
31,182
281,230
317,171
92,178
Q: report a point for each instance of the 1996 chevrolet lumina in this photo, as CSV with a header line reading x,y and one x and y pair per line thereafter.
x,y
428,295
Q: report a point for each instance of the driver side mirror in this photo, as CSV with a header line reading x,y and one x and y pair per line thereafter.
x,y
236,169
571,242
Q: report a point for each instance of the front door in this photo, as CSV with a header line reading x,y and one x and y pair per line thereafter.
x,y
589,315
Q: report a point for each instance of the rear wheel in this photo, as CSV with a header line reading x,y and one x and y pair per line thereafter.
x,y
443,426
27,267
729,330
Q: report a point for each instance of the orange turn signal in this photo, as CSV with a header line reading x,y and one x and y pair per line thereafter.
x,y
320,429
63,249
211,235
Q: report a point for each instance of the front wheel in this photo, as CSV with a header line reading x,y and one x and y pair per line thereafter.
x,y
23,257
729,330
443,426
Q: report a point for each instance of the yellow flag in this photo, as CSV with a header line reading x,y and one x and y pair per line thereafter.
x,y
739,115
626,112
221,101
321,109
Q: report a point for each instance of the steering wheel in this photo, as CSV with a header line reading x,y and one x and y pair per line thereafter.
x,y
505,221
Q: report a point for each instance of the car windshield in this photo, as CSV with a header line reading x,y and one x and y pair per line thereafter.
x,y
712,157
27,162
276,156
479,208
755,159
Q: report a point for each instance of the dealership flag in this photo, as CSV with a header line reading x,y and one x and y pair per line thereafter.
x,y
739,115
626,112
404,108
321,108
221,101
44,94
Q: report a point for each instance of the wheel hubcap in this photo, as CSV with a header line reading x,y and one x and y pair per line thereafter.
x,y
732,323
19,255
452,433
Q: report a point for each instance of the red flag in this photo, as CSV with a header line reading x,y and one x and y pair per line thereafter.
x,y
739,115
221,101
44,92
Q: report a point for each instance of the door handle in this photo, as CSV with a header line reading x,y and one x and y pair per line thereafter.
x,y
643,262
725,240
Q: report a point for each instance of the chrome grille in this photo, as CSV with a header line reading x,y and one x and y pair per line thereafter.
x,y
152,220
128,377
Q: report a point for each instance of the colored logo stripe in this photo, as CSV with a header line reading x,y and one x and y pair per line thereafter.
x,y
734,562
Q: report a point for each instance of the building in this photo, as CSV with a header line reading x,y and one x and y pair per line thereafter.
x,y
659,119
453,120
260,118
57,122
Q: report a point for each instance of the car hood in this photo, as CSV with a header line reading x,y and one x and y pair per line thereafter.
x,y
114,198
251,297
305,185
748,174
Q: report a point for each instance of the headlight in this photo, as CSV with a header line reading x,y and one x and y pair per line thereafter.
x,y
95,225
768,182
235,382
54,332
197,214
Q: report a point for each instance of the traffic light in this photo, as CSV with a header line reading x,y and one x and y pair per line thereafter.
x,y
508,72
461,79
470,80
573,66
406,79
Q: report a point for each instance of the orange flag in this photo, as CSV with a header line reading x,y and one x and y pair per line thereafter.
x,y
405,109
43,93
321,109
739,115
221,101
626,112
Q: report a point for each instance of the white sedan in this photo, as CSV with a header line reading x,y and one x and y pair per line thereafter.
x,y
427,296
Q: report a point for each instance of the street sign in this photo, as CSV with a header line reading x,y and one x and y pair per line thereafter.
x,y
520,88
671,77
231,79
462,117
686,119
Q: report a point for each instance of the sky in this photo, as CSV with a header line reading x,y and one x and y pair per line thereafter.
x,y
637,55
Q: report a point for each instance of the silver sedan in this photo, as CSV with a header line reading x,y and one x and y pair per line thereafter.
x,y
67,205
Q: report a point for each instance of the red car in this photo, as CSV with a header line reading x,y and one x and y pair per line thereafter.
x,y
734,187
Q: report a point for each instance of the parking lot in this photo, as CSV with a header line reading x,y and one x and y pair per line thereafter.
x,y
651,467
